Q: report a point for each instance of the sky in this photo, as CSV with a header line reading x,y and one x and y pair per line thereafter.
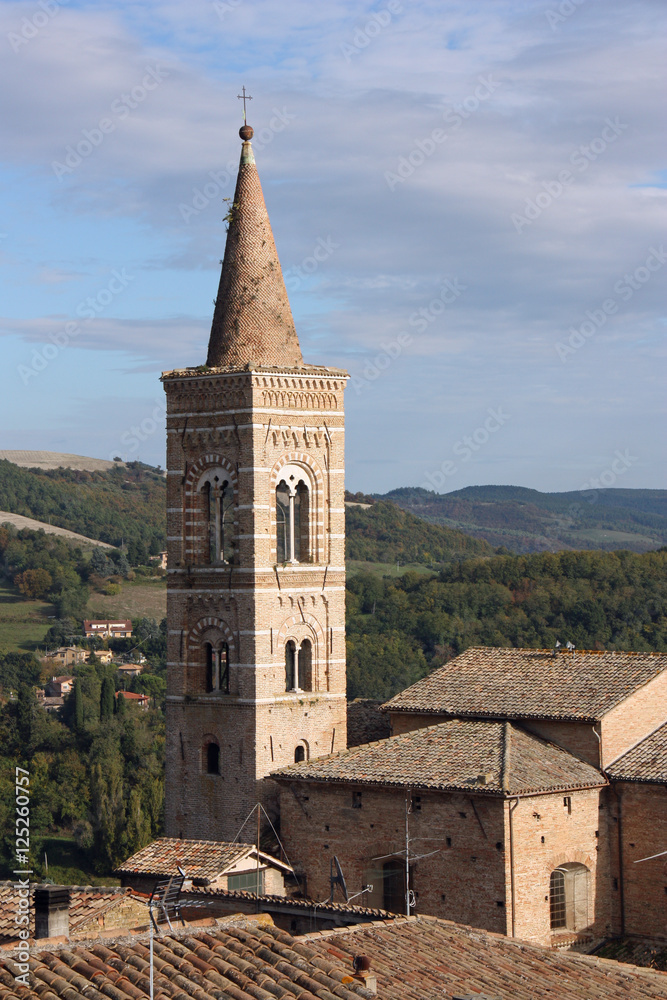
x,y
468,200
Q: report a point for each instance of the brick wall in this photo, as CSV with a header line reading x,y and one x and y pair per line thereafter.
x,y
467,877
464,880
250,425
547,834
577,737
643,821
628,723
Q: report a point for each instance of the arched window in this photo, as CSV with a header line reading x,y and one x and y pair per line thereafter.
x,y
305,660
213,758
290,664
299,754
217,496
568,897
217,667
293,516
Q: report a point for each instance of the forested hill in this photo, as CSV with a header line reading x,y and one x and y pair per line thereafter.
x,y
524,520
383,533
398,629
124,505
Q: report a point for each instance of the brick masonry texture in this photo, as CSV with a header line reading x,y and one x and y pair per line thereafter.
x,y
461,849
642,810
252,321
249,425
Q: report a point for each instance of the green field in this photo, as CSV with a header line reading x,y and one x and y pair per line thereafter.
x,y
23,623
144,598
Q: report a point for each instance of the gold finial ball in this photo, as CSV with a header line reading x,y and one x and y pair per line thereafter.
x,y
246,133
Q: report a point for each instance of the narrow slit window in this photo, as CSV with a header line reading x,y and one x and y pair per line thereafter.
x,y
213,758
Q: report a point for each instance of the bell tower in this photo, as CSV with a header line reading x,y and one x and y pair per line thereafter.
x,y
256,562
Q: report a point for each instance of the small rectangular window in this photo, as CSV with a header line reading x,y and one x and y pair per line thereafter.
x,y
356,800
247,880
567,803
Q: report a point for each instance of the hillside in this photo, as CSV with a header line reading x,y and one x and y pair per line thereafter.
x,y
524,520
20,522
383,533
400,628
123,505
59,459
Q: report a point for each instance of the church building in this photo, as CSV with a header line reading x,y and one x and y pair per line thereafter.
x,y
255,524
522,791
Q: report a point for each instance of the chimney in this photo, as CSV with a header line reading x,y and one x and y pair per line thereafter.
x,y
51,911
363,973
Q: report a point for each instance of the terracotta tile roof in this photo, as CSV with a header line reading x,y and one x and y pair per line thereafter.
x,y
530,683
414,959
474,755
212,892
428,959
645,762
252,321
259,962
201,860
87,902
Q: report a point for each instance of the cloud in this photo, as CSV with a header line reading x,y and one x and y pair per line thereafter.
x,y
516,101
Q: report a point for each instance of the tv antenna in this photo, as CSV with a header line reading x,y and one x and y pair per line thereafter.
x,y
165,899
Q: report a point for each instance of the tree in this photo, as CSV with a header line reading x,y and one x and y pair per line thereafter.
x,y
26,706
107,699
78,705
34,583
100,564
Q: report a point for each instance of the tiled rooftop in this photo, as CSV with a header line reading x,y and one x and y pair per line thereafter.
x,y
243,895
201,860
259,963
645,762
530,684
87,902
427,959
459,754
414,959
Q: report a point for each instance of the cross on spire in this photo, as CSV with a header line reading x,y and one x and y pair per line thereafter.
x,y
244,97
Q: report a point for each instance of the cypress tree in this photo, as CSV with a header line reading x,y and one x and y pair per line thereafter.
x,y
107,699
78,705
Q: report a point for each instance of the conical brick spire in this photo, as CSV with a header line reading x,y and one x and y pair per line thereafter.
x,y
252,322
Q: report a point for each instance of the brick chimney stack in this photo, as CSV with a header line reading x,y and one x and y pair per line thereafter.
x,y
252,322
51,911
